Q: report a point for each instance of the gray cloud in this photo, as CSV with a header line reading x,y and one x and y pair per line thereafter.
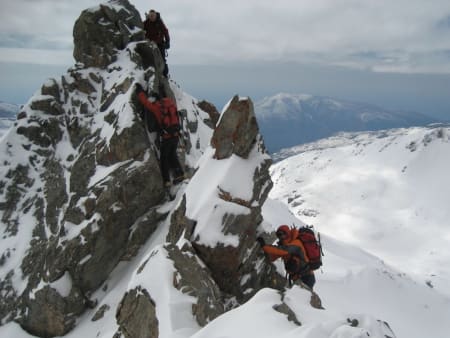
x,y
382,35
30,41
444,23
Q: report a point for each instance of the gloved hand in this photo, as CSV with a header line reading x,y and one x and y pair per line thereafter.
x,y
154,96
167,44
261,241
138,88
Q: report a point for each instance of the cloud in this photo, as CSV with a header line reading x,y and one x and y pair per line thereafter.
x,y
401,35
36,56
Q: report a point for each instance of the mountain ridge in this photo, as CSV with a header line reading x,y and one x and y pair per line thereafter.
x,y
290,119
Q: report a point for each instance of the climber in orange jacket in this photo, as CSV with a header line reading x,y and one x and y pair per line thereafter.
x,y
293,253
165,112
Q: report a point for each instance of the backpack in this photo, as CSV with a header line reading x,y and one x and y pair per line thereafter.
x,y
313,246
150,120
170,121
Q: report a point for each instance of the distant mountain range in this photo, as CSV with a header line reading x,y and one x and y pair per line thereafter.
x,y
287,120
8,112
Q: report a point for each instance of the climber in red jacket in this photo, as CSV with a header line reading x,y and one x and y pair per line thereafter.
x,y
166,114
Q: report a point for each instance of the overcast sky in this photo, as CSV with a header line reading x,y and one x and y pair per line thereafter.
x,y
406,37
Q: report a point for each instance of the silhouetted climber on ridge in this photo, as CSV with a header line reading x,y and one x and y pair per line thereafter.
x,y
156,31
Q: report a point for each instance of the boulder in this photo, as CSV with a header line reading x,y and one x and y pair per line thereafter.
x,y
136,315
100,31
196,281
212,112
237,129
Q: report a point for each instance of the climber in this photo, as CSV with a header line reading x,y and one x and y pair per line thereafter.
x,y
165,112
156,31
291,249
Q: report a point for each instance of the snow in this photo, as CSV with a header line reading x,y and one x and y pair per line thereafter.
x,y
63,285
371,191
233,175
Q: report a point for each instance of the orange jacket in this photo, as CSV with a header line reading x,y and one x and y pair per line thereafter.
x,y
293,254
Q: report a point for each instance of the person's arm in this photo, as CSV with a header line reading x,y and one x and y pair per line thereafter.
x,y
166,36
274,252
153,107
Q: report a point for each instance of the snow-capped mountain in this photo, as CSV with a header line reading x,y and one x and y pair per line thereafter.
x,y
288,120
8,112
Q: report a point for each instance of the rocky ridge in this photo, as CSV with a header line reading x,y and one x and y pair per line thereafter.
x,y
86,192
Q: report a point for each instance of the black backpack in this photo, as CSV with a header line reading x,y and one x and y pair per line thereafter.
x,y
150,121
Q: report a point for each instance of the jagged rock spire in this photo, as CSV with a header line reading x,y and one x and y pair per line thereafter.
x,y
237,129
100,32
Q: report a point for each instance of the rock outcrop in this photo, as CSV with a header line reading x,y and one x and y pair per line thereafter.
x,y
231,216
85,192
237,130
100,32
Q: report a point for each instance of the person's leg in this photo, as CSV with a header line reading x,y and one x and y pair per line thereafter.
x,y
162,50
309,280
175,164
165,161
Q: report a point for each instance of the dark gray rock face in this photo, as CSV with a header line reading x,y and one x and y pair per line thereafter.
x,y
100,32
88,181
195,280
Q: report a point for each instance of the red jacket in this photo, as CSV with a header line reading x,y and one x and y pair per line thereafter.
x,y
156,31
165,112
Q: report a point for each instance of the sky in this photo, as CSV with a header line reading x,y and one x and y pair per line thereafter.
x,y
392,53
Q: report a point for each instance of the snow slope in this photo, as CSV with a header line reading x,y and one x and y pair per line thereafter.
x,y
385,192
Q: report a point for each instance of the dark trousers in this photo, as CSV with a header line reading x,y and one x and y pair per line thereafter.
x,y
309,280
169,159
162,50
